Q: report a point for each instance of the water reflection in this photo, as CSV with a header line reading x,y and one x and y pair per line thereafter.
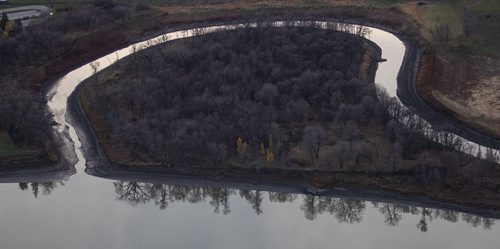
x,y
344,210
40,188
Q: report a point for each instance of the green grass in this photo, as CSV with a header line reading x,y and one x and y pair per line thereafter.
x,y
7,147
484,39
385,3
487,38
440,13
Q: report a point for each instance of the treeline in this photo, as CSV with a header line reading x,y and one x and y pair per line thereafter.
x,y
240,92
438,154
344,210
23,112
48,38
37,188
258,97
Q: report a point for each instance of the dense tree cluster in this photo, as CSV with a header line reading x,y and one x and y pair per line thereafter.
x,y
24,115
437,153
284,97
48,39
189,102
23,112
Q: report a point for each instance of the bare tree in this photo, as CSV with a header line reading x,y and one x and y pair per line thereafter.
x,y
314,137
95,69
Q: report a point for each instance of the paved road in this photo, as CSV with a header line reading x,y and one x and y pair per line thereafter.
x,y
26,11
407,94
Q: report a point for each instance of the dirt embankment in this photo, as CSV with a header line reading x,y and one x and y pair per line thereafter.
x,y
463,88
454,78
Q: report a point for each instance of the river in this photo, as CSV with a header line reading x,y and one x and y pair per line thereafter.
x,y
83,211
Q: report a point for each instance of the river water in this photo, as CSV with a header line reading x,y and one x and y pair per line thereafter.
x,y
83,211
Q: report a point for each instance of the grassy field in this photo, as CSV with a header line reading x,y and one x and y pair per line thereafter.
x,y
488,24
483,18
7,147
485,15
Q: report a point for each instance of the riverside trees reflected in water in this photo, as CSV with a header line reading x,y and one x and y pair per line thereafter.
x,y
345,210
244,103
40,188
311,217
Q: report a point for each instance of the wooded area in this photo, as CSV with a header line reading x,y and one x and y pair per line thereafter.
x,y
23,54
236,93
277,97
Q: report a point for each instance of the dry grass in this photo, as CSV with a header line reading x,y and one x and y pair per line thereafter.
x,y
259,4
464,77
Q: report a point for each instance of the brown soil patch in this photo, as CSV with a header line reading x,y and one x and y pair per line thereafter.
x,y
260,4
455,82
414,10
485,96
465,87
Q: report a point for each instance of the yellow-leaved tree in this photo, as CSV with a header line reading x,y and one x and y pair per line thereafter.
x,y
240,146
269,155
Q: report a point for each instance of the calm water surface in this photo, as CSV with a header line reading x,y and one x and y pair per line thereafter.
x,y
89,212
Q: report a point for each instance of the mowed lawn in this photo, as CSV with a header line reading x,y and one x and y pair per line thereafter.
x,y
7,147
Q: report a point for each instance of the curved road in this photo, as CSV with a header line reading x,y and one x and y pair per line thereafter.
x,y
407,94
26,12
